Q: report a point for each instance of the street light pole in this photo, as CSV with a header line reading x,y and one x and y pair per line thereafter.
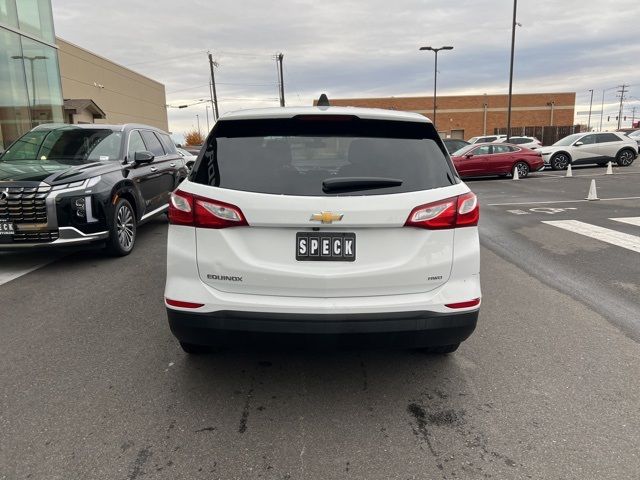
x,y
513,44
435,76
198,119
207,107
33,77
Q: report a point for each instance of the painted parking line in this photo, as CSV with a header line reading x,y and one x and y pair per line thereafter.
x,y
630,220
613,237
14,266
558,201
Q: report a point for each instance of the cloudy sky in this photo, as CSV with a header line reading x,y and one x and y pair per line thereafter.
x,y
362,48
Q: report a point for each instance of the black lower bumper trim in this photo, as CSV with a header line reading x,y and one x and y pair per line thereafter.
x,y
402,329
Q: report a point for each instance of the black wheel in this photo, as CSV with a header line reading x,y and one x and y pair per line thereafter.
x,y
523,169
122,231
193,349
441,349
625,158
560,161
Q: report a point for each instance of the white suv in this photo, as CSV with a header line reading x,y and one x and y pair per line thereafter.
x,y
320,222
591,148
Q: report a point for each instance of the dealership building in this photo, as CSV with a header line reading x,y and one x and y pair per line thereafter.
x,y
45,79
467,116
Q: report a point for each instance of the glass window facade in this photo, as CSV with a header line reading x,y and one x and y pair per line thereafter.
x,y
35,18
30,89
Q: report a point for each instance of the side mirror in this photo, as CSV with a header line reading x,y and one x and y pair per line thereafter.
x,y
468,155
577,144
143,157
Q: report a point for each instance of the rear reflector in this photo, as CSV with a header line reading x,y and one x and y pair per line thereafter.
x,y
181,304
467,304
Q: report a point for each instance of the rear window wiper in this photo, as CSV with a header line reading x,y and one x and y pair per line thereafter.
x,y
358,183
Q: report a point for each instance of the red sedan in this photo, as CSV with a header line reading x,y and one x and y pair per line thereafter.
x,y
477,160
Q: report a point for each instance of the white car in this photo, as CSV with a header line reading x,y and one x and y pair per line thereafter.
x,y
591,148
531,143
189,158
635,135
486,138
323,222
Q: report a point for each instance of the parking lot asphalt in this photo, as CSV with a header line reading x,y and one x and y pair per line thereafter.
x,y
93,385
532,223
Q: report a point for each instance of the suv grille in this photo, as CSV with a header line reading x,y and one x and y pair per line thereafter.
x,y
34,237
25,205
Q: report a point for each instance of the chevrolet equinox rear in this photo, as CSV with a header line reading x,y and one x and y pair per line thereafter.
x,y
344,225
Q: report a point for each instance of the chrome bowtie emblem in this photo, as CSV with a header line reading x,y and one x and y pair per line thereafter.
x,y
4,195
326,217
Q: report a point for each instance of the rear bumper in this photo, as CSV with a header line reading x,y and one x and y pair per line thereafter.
x,y
400,329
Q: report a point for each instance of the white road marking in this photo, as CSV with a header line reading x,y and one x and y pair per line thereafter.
x,y
14,266
518,212
630,220
620,239
558,201
551,210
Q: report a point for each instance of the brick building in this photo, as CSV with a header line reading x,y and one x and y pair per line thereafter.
x,y
467,116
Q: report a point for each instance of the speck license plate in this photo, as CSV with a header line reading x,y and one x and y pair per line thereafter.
x,y
7,229
325,247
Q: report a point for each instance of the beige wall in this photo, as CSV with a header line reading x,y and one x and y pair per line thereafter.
x,y
125,96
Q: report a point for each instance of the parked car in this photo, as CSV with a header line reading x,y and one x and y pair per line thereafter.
x,y
635,135
454,144
591,148
189,158
532,143
486,138
501,159
66,185
323,222
192,149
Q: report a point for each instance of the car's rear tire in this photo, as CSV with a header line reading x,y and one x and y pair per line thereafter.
x,y
441,349
625,157
122,229
523,169
194,349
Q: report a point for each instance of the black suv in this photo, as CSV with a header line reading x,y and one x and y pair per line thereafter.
x,y
74,184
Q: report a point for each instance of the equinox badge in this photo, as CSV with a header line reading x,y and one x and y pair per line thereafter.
x,y
326,217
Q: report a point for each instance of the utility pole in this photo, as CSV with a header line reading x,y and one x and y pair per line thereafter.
x,y
279,58
590,104
602,110
513,45
214,96
198,119
633,116
621,92
206,108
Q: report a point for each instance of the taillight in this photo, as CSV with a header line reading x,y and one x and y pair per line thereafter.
x,y
454,212
181,208
201,212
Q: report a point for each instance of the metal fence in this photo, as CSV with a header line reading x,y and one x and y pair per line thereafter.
x,y
547,135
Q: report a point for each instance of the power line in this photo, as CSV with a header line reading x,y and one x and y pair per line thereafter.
x,y
159,60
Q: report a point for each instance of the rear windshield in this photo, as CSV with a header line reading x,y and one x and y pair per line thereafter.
x,y
308,155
